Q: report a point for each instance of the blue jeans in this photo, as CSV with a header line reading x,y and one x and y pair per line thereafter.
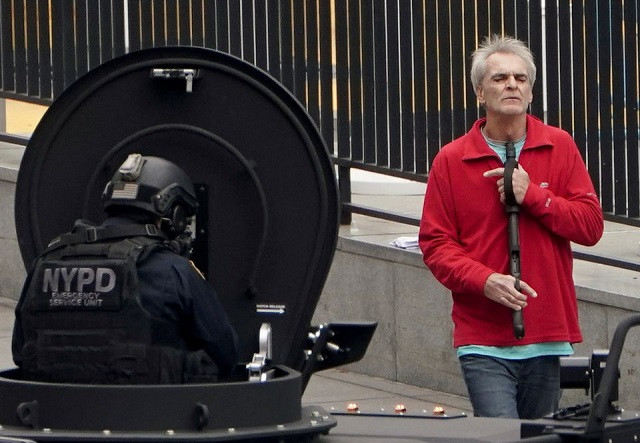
x,y
524,389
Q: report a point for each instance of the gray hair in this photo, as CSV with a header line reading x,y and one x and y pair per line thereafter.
x,y
504,44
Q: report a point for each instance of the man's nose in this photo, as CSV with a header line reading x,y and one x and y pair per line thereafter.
x,y
511,82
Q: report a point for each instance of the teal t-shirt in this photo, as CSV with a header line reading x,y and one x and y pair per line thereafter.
x,y
501,149
519,352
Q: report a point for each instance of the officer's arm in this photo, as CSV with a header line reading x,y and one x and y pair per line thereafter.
x,y
17,340
211,326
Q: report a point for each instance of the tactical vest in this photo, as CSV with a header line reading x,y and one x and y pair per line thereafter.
x,y
83,321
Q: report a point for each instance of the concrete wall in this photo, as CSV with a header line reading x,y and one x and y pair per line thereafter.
x,y
413,342
12,271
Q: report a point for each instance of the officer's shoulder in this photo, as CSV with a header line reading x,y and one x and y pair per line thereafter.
x,y
178,262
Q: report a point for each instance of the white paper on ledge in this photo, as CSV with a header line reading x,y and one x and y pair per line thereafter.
x,y
408,242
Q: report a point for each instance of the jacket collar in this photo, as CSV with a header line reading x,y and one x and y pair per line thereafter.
x,y
476,147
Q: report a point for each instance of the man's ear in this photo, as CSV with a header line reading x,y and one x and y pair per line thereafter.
x,y
480,95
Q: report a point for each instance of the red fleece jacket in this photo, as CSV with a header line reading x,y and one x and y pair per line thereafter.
x,y
463,234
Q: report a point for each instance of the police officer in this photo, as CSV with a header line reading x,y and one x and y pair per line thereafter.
x,y
120,302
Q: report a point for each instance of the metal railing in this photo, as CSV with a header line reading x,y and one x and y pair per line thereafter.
x,y
385,80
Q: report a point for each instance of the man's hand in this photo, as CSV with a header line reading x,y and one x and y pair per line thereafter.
x,y
501,289
520,180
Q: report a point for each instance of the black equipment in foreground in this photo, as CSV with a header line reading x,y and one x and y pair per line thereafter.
x,y
264,236
602,420
514,242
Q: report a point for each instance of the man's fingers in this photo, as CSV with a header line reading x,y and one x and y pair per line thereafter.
x,y
528,289
516,306
497,172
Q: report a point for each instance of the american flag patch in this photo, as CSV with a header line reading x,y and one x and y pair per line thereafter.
x,y
128,192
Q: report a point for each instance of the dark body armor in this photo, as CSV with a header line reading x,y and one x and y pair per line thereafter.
x,y
83,320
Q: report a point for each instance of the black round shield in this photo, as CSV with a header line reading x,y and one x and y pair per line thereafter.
x,y
267,227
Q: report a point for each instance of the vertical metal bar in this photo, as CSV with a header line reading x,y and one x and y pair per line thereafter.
x,y
93,34
432,77
248,32
368,82
406,85
344,181
286,42
326,74
471,36
509,18
57,71
197,23
620,152
146,24
6,49
393,85
159,25
342,78
171,18
419,85
482,16
273,26
457,71
299,52
82,64
313,73
68,46
184,22
382,98
522,20
209,24
223,24
631,16
19,47
106,32
3,113
33,71
235,28
261,36
495,18
133,12
591,76
553,64
44,49
565,73
578,77
535,44
118,28
604,77
355,80
444,66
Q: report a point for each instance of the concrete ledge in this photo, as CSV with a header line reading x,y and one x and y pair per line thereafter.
x,y
12,270
413,342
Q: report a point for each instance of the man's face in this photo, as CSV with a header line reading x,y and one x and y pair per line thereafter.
x,y
505,88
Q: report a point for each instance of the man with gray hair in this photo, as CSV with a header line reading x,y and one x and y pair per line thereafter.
x,y
509,162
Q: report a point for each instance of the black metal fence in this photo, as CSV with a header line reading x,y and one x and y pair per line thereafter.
x,y
385,80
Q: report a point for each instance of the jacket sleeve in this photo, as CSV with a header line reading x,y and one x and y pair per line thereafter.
x,y
17,339
442,252
572,210
211,326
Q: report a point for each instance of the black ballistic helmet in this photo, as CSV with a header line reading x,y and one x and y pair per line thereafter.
x,y
153,185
